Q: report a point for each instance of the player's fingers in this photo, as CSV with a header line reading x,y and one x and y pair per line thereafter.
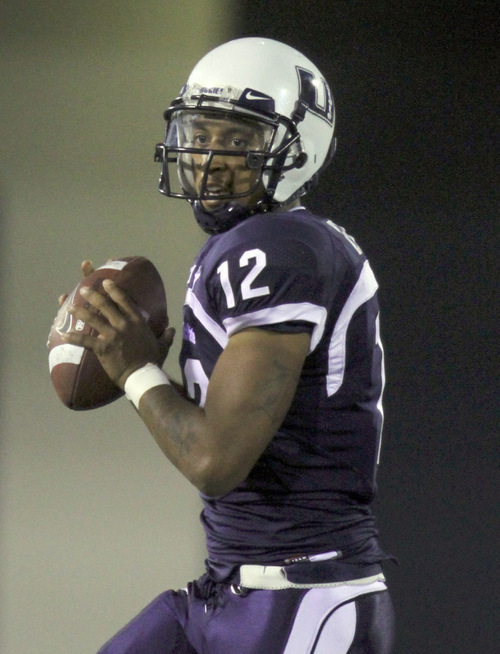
x,y
165,341
168,336
95,320
122,300
87,267
112,313
90,341
116,306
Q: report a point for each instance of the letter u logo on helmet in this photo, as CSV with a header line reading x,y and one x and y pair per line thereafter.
x,y
316,95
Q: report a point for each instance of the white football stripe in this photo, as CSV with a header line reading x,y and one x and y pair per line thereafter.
x,y
114,265
66,353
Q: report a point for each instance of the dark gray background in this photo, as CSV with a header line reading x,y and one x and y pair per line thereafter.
x,y
413,181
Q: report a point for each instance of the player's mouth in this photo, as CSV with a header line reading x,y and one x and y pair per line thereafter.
x,y
214,191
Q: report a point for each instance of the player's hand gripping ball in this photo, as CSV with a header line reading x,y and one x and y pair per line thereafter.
x,y
76,373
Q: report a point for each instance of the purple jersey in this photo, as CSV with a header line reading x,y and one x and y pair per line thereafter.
x,y
311,489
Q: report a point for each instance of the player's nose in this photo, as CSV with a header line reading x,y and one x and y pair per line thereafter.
x,y
217,163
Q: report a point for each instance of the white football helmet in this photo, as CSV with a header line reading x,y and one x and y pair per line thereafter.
x,y
272,89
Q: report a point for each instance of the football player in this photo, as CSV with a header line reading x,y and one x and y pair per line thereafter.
x,y
278,422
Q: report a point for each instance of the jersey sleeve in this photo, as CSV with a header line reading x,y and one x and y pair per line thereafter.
x,y
271,277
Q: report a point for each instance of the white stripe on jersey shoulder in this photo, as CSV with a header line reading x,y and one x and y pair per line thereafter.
x,y
209,323
364,289
306,311
325,622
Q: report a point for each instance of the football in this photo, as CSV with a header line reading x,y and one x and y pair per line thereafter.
x,y
77,376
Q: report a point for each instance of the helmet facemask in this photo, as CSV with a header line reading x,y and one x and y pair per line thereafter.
x,y
220,158
201,144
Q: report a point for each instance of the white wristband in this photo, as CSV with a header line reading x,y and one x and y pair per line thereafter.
x,y
142,380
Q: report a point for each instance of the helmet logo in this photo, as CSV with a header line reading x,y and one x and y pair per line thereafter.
x,y
315,94
256,100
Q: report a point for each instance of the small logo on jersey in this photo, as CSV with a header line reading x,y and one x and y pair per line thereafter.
x,y
189,334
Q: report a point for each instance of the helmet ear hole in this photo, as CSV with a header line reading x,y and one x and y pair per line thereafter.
x,y
301,160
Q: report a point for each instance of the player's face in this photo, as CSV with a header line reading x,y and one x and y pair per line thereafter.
x,y
217,176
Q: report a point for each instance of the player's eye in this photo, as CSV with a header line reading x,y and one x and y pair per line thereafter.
x,y
237,142
200,139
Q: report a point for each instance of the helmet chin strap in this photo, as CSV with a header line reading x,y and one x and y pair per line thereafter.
x,y
226,216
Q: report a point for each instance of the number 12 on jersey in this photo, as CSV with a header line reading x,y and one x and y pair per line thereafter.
x,y
259,259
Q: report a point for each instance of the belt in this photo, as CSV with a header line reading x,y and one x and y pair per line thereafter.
x,y
274,577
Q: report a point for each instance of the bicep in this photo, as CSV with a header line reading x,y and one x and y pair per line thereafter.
x,y
250,392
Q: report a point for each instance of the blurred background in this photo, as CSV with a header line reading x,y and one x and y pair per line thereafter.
x,y
94,521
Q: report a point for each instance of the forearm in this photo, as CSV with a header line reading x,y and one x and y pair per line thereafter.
x,y
179,428
216,446
213,452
